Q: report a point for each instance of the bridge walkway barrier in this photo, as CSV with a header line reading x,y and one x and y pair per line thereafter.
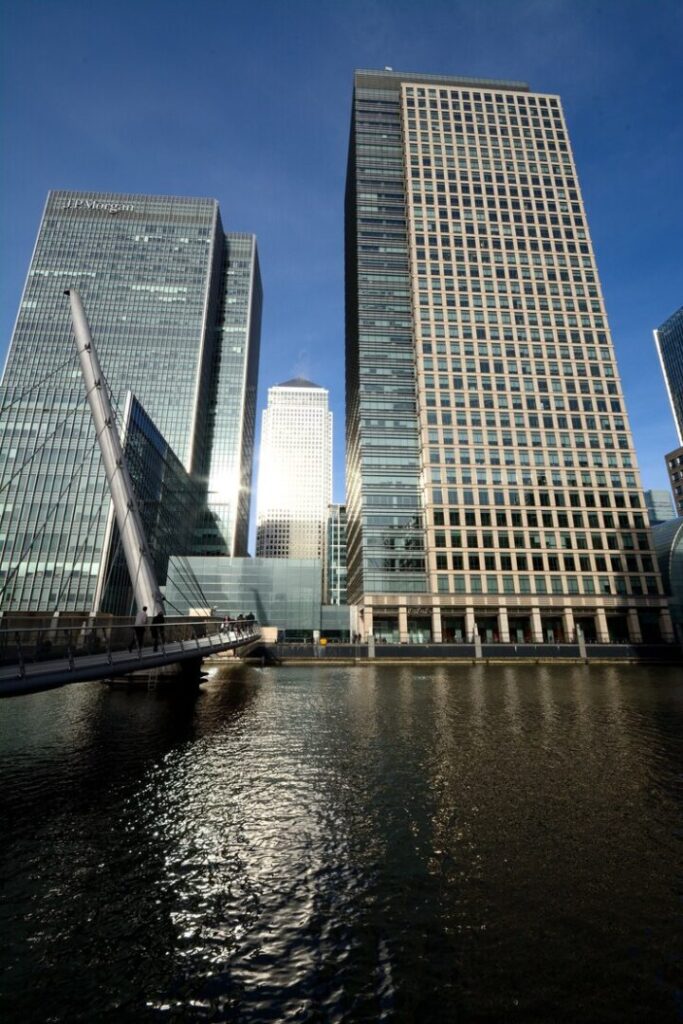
x,y
40,658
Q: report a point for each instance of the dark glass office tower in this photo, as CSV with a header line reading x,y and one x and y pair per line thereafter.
x,y
169,501
669,342
232,411
154,273
384,495
492,483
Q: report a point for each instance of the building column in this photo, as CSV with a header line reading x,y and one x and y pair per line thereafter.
x,y
601,626
634,633
402,624
569,627
666,626
503,625
536,626
367,621
469,625
436,625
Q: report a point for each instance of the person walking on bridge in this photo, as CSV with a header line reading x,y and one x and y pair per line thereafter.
x,y
157,628
139,628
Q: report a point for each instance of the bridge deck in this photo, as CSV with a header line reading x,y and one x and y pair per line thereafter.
x,y
47,675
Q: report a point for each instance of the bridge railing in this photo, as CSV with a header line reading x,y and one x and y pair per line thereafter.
x,y
24,645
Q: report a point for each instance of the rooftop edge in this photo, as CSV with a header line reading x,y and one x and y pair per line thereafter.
x,y
371,77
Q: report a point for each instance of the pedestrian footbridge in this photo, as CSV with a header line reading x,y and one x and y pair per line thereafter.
x,y
35,658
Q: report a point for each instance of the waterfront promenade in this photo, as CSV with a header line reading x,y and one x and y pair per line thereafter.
x,y
347,653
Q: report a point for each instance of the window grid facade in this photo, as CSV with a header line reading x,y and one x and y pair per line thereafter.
x,y
169,501
529,487
150,272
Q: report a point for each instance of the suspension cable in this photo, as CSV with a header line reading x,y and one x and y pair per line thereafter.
x,y
191,589
114,556
184,584
194,582
27,461
34,387
52,509
187,577
80,548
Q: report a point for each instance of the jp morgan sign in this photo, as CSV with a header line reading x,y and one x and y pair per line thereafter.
x,y
98,204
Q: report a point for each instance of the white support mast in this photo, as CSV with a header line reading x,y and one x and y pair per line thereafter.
x,y
133,540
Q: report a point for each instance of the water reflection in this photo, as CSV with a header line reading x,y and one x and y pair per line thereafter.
x,y
372,843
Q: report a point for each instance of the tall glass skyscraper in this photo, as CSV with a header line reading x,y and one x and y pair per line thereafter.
x,y
295,472
669,342
232,408
492,484
174,306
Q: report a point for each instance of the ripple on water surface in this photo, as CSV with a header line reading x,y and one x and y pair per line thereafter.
x,y
346,844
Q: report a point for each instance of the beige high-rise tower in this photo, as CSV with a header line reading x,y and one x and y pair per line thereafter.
x,y
492,484
295,472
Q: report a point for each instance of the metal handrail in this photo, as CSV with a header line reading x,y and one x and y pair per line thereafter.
x,y
54,640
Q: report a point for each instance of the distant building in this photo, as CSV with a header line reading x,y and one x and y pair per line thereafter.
x,y
335,556
674,465
282,592
659,507
492,480
669,342
295,472
174,305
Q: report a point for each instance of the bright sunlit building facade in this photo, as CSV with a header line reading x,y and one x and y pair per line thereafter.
x,y
295,472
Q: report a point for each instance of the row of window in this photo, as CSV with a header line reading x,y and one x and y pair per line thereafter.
x,y
518,161
545,563
468,95
547,499
484,517
534,541
632,585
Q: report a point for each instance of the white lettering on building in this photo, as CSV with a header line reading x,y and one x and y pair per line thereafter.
x,y
98,204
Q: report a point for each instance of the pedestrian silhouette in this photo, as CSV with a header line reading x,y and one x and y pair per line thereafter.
x,y
139,629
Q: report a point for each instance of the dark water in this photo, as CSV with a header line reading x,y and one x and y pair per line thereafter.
x,y
321,844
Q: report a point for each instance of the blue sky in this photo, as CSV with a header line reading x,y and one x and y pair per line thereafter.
x,y
250,103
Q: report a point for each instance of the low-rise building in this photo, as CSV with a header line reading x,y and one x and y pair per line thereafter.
x,y
282,592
